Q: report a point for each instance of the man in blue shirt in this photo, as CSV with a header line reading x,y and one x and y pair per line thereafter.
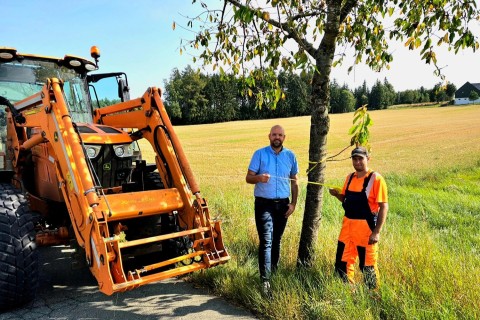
x,y
274,172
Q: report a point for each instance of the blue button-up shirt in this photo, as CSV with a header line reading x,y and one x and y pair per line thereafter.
x,y
280,167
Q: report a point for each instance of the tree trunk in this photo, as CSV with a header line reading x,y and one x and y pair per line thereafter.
x,y
319,126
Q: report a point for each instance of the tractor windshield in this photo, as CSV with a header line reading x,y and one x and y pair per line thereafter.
x,y
19,80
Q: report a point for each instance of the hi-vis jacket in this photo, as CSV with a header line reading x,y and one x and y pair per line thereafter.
x,y
375,191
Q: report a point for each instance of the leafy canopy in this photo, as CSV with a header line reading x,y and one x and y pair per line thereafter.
x,y
256,39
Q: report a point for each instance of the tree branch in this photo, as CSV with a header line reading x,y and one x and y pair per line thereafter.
x,y
302,42
220,25
347,8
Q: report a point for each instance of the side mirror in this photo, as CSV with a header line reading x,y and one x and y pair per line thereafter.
x,y
123,90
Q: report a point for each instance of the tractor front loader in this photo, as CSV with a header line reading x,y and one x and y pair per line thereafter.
x,y
71,171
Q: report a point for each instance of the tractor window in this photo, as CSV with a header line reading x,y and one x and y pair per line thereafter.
x,y
76,99
105,91
3,130
16,83
19,80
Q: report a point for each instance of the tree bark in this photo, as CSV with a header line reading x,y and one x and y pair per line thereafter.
x,y
319,127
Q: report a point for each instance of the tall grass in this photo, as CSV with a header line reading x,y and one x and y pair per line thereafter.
x,y
429,250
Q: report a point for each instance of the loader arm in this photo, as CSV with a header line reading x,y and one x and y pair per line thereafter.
x,y
95,214
149,116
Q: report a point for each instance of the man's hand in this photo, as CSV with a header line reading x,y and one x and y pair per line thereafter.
x,y
264,177
254,178
374,237
334,191
291,208
337,193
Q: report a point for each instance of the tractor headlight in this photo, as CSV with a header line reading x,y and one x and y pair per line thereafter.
x,y
93,151
124,150
119,151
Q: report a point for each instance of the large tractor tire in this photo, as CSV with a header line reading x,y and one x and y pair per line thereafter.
x,y
18,253
153,181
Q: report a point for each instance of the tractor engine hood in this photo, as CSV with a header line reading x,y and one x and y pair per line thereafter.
x,y
101,134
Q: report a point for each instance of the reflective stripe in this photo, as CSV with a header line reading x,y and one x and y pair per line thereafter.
x,y
95,253
62,143
370,183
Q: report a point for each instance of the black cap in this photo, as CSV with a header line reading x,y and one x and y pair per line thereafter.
x,y
360,151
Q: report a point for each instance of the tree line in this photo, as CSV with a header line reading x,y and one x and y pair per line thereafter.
x,y
192,97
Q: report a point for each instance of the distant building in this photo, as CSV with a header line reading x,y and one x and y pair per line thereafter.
x,y
462,94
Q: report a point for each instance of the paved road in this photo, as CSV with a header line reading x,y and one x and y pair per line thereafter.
x,y
66,294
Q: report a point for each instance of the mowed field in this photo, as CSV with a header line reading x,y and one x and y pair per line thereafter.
x,y
402,140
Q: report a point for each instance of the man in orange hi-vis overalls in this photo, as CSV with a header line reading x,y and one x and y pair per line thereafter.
x,y
365,201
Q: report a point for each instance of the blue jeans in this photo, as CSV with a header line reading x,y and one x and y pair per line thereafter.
x,y
270,221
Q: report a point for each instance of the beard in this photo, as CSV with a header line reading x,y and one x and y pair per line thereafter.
x,y
276,143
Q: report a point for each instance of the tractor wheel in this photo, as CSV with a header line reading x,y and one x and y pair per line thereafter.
x,y
18,254
152,181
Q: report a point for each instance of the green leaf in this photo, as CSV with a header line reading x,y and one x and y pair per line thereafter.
x,y
353,129
356,117
368,121
418,42
278,94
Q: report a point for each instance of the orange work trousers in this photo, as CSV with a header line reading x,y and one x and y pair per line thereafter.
x,y
353,245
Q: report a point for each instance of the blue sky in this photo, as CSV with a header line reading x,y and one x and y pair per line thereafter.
x,y
136,37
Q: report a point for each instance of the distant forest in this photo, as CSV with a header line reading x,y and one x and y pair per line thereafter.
x,y
192,97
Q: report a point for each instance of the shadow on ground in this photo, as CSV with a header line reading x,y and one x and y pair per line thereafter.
x,y
67,293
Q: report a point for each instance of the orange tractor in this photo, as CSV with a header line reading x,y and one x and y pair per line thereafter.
x,y
71,171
